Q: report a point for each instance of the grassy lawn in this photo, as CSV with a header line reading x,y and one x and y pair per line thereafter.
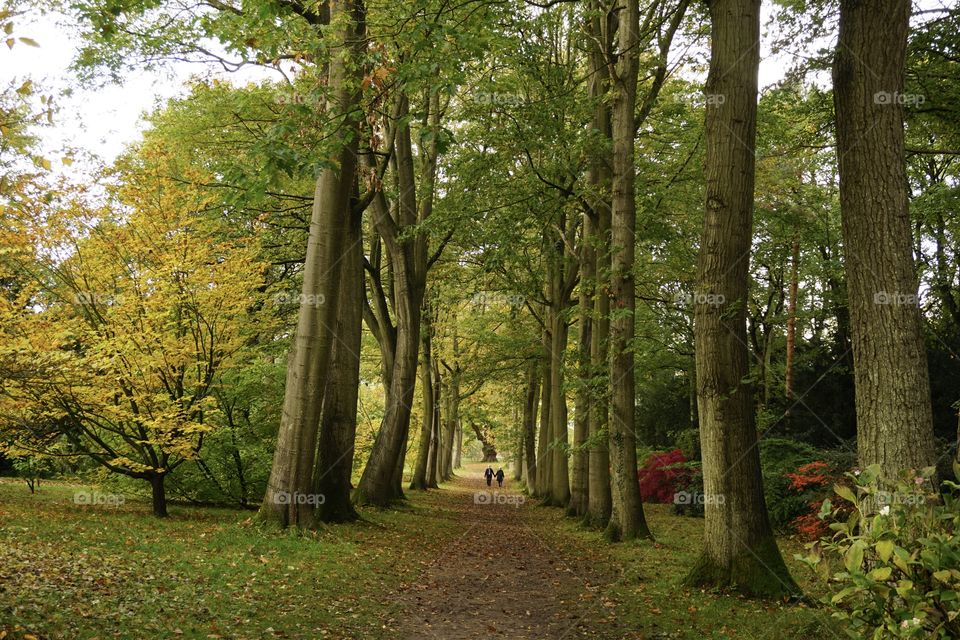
x,y
80,572
647,593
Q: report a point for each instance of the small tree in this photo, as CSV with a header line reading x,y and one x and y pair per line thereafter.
x,y
126,317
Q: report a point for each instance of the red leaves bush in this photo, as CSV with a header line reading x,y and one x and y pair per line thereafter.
x,y
814,479
662,475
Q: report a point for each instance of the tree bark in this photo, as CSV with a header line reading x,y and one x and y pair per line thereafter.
x,y
451,457
436,442
382,476
292,473
530,426
627,520
420,479
542,468
338,423
597,235
791,319
159,494
560,474
892,386
740,550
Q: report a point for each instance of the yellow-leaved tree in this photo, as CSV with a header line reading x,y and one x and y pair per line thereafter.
x,y
123,318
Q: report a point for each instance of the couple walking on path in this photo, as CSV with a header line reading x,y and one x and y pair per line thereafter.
x,y
490,475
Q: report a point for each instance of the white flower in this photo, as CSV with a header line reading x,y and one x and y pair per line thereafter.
x,y
885,511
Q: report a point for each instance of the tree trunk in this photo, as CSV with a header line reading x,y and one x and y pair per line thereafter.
x,y
458,449
420,480
159,492
380,482
597,235
292,472
791,320
892,387
338,424
450,455
739,547
560,475
627,520
436,441
543,468
530,427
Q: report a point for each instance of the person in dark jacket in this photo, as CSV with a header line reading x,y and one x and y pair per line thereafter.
x,y
500,478
488,474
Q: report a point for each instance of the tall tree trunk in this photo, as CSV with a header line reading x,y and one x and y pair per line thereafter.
x,y
451,421
892,387
627,520
421,471
458,448
338,423
560,474
739,547
597,235
530,426
543,468
380,482
791,319
292,473
433,467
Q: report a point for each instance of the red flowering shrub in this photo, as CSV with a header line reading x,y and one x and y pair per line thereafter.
x,y
809,526
810,476
662,475
813,481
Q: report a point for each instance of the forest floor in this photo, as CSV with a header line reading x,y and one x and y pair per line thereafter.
x,y
443,565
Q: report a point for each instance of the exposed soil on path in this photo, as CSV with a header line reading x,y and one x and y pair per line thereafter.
x,y
500,578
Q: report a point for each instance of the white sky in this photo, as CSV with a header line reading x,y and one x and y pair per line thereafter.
x,y
102,121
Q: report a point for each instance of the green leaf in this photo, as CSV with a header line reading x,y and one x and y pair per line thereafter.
x,y
880,574
885,549
853,559
30,42
844,492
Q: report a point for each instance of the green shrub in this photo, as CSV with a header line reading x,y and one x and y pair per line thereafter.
x,y
893,564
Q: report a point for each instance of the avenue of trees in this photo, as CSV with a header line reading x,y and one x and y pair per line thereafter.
x,y
562,233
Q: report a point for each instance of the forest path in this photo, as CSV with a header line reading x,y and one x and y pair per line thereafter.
x,y
500,578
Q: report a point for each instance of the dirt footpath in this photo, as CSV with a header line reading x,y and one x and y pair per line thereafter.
x,y
499,578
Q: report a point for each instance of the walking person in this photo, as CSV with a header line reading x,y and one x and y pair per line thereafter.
x,y
488,474
500,478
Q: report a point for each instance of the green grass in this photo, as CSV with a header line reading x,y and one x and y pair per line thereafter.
x,y
81,572
647,593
